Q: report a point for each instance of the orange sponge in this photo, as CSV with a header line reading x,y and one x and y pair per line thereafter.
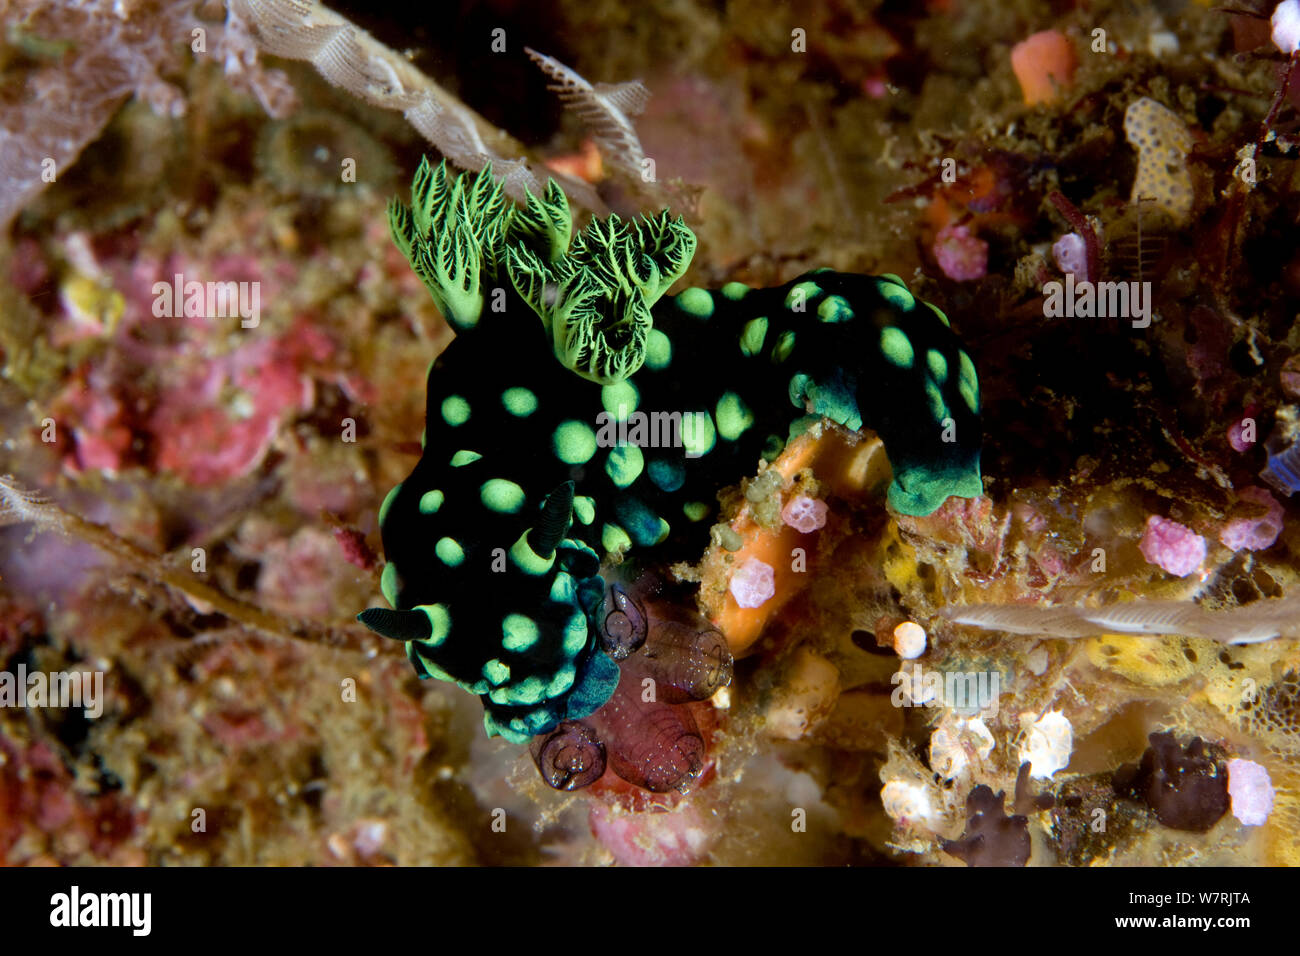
x,y
844,466
1044,64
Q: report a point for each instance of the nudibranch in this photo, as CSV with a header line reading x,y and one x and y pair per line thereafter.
x,y
580,414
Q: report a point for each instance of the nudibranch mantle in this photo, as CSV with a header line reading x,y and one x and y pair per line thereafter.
x,y
612,423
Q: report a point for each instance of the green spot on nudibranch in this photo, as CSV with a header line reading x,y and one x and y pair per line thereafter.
x,y
784,346
520,632
624,464
658,350
897,295
501,495
449,552
614,539
696,302
937,364
695,510
835,308
733,416
584,508
519,401
427,668
388,583
668,474
529,691
698,434
752,336
772,447
939,312
642,525
464,457
574,442
801,294
798,389
935,397
388,503
620,399
735,290
563,589
896,347
496,672
455,410
575,634
562,680
540,718
431,501
891,277
968,385
832,399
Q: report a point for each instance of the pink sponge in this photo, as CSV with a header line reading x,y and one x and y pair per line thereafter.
x,y
1251,791
753,583
804,514
1174,547
1254,533
961,255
